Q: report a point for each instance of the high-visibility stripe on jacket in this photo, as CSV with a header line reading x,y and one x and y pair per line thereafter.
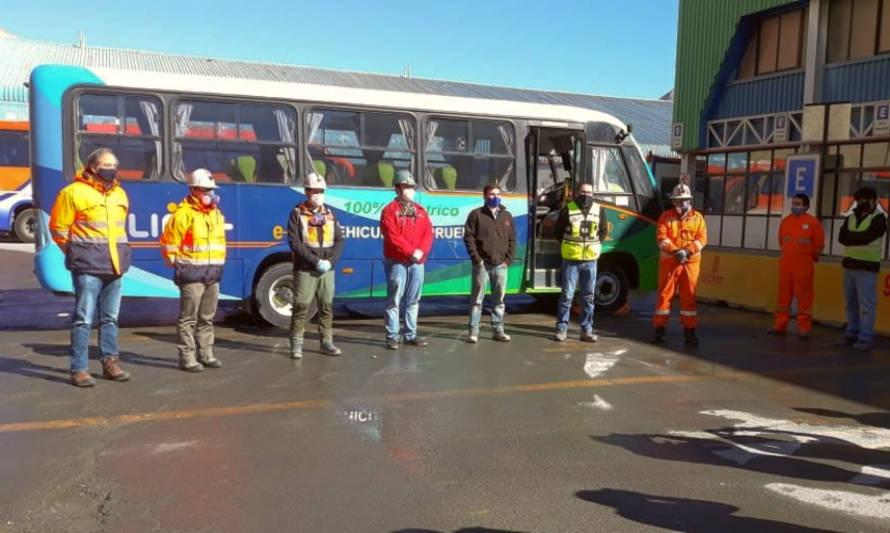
x,y
865,252
580,242
687,232
88,222
194,242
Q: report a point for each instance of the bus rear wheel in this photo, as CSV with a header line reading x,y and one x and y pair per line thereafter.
x,y
274,295
24,225
612,287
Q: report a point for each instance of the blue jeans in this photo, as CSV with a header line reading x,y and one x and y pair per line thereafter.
x,y
860,293
580,274
404,281
484,273
91,291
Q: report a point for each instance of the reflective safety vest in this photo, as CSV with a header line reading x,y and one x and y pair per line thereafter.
x,y
865,252
317,228
194,241
580,242
88,223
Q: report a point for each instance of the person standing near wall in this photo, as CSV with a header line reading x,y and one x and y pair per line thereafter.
x,y
862,235
801,239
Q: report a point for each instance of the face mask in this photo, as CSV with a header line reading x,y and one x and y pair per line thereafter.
x,y
407,195
493,202
584,200
864,206
798,210
317,199
684,207
208,199
107,174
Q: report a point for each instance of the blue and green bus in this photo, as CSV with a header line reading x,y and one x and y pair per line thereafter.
x,y
259,136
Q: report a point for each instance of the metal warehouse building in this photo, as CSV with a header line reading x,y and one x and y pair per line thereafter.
x,y
758,81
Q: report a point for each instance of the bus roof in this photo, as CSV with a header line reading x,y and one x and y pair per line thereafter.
x,y
394,99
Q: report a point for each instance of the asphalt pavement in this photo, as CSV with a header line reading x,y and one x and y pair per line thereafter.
x,y
746,432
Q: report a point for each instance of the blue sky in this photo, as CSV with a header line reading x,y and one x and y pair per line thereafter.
x,y
610,47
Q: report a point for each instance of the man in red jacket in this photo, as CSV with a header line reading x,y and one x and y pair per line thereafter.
x,y
407,239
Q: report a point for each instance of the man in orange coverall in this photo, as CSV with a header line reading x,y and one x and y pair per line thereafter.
x,y
802,239
681,235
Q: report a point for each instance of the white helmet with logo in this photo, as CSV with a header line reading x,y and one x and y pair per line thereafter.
x,y
202,178
314,181
681,192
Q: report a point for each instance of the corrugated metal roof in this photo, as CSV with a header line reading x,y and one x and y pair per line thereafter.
x,y
651,118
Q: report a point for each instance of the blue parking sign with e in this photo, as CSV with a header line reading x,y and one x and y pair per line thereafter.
x,y
801,177
883,112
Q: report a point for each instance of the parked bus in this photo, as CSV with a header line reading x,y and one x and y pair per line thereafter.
x,y
16,213
259,136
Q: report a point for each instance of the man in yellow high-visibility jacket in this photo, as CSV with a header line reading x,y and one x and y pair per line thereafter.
x,y
581,228
87,222
194,243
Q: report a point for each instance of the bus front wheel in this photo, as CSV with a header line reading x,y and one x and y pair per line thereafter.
x,y
612,287
274,295
24,225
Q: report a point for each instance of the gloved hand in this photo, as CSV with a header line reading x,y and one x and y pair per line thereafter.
x,y
417,255
681,255
323,265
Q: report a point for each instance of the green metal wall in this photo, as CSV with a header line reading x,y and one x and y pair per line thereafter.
x,y
704,30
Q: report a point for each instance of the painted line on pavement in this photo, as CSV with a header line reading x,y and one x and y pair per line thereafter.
x,y
156,416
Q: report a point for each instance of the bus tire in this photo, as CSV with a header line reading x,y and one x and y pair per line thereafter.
x,y
274,295
612,287
24,225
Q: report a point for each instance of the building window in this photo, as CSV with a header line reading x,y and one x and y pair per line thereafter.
x,y
775,46
741,197
847,168
858,29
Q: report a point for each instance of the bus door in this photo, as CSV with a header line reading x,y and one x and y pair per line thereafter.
x,y
554,165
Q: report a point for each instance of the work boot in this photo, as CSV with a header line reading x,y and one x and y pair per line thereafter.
x,y
392,344
210,362
193,367
473,336
804,334
82,379
862,346
417,341
296,350
588,336
328,348
689,337
560,335
110,370
659,334
772,330
499,335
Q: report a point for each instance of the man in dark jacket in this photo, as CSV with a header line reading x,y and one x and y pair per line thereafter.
x,y
316,242
490,237
862,235
581,228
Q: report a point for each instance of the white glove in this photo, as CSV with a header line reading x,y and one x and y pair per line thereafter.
x,y
417,255
323,265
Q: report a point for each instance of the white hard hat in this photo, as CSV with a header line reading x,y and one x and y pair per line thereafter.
x,y
201,177
681,192
314,181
